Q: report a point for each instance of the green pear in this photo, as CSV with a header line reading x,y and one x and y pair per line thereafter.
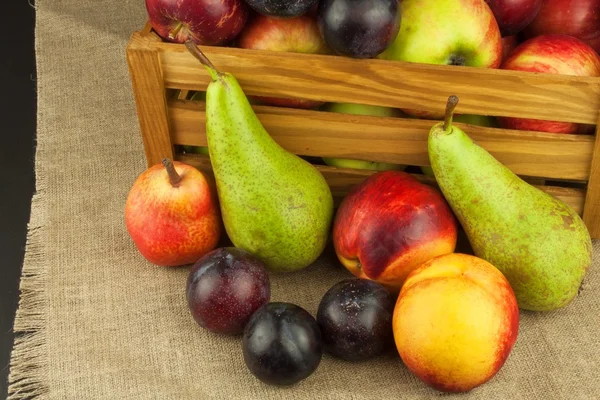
x,y
274,204
479,120
538,242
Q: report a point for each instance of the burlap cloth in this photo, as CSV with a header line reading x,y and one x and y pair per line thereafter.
x,y
98,322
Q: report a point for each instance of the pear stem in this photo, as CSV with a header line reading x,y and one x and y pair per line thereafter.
x,y
450,106
196,52
174,177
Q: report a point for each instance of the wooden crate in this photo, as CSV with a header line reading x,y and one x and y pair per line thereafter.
x,y
568,166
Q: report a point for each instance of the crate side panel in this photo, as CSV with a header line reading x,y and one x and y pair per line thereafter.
x,y
395,140
481,91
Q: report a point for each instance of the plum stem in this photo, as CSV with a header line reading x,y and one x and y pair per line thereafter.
x,y
174,177
173,32
450,106
196,52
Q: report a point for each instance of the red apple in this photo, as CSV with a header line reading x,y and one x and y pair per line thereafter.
x,y
296,35
554,54
390,224
514,15
579,18
206,22
509,43
172,214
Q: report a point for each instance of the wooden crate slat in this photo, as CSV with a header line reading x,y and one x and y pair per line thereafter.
x,y
150,99
395,140
482,91
342,180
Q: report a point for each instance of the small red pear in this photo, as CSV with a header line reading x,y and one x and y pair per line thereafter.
x,y
172,214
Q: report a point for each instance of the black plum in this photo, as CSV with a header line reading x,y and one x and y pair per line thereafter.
x,y
359,28
282,8
355,318
224,289
282,344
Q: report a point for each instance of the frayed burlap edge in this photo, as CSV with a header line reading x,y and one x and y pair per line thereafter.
x,y
29,357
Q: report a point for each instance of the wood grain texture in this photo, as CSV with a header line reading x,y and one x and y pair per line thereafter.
x,y
591,210
341,180
481,91
150,99
395,140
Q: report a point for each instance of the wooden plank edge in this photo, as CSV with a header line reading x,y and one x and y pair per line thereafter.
x,y
175,58
477,133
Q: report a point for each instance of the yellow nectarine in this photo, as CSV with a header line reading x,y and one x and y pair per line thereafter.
x,y
455,322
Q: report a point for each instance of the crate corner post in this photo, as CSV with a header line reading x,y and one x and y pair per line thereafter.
x,y
591,207
150,97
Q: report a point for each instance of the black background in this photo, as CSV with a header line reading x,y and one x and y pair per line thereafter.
x,y
17,133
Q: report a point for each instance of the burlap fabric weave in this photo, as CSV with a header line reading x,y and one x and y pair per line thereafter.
x,y
96,321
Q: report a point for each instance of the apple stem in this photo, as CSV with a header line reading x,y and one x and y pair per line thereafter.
x,y
450,106
173,32
174,177
196,52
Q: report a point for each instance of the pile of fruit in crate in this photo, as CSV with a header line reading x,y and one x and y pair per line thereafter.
x,y
453,318
549,36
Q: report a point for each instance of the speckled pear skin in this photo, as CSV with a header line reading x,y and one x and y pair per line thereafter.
x,y
537,241
274,204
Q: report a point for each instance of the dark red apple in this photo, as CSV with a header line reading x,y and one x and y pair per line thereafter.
x,y
514,15
509,43
295,35
553,54
390,224
224,289
206,22
579,18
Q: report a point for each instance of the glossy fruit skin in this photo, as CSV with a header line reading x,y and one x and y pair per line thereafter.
x,y
224,289
355,317
359,28
294,35
390,224
514,15
282,8
509,43
447,32
206,22
282,344
553,54
173,226
577,18
455,322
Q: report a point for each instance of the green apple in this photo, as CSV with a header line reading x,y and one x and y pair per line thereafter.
x,y
447,32
196,149
360,164
479,120
361,109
